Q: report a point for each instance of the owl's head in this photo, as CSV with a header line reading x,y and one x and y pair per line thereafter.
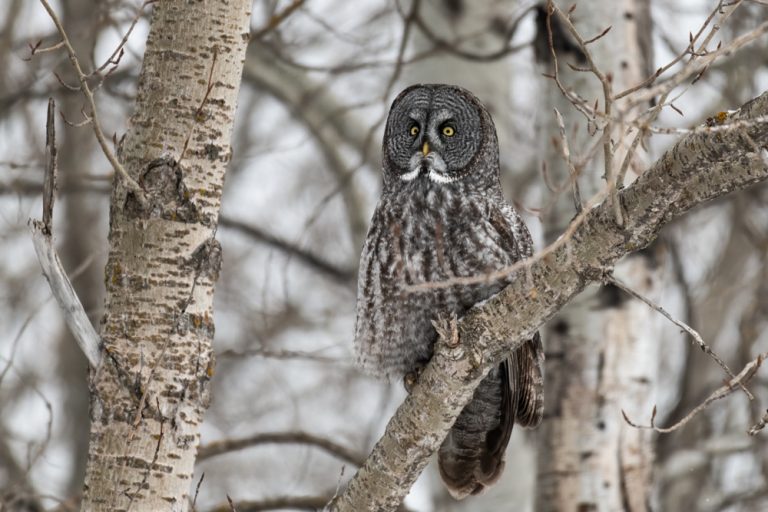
x,y
439,133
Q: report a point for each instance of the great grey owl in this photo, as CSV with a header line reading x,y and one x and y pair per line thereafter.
x,y
442,214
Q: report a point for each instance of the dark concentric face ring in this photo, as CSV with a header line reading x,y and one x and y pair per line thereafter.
x,y
433,131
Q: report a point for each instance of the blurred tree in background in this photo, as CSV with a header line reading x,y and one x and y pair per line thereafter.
x,y
290,418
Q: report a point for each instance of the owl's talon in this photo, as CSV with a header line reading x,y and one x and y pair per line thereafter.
x,y
447,330
411,378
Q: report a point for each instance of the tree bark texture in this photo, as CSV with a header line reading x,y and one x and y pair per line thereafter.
x,y
149,394
703,165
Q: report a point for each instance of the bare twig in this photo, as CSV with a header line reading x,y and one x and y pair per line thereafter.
x,y
277,19
17,338
197,491
622,172
199,117
292,355
690,330
144,388
566,153
34,49
114,58
687,51
36,309
100,137
578,103
33,456
141,485
760,425
304,256
696,66
230,445
737,381
605,81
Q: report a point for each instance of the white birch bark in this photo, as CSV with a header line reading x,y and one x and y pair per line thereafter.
x,y
149,394
603,350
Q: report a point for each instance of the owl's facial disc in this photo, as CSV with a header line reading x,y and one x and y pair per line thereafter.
x,y
433,133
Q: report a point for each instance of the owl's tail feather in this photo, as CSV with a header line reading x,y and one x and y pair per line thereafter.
x,y
471,457
528,362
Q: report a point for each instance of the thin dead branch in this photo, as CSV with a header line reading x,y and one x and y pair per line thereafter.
x,y
760,425
690,330
277,19
301,438
304,256
739,380
49,182
606,82
74,313
566,154
86,90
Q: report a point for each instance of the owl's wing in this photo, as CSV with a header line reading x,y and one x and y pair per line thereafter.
x,y
527,362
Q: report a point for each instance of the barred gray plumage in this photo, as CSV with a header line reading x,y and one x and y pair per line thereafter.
x,y
442,214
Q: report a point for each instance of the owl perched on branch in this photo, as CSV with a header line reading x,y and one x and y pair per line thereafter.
x,y
442,215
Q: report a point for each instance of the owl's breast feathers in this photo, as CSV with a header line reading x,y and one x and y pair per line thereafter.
x,y
428,235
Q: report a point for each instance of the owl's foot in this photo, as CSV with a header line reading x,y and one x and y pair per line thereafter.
x,y
447,329
411,378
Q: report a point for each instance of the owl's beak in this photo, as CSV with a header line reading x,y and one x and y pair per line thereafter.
x,y
425,149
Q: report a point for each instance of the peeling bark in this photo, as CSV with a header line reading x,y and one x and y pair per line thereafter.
x,y
706,164
150,392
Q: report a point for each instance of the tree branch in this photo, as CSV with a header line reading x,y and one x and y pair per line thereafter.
x,y
277,503
74,313
229,445
740,380
687,328
701,166
308,258
93,118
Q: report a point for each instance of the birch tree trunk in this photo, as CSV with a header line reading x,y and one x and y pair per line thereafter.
x,y
150,392
603,350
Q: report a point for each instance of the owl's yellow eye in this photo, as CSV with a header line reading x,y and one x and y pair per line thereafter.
x,y
414,131
448,131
